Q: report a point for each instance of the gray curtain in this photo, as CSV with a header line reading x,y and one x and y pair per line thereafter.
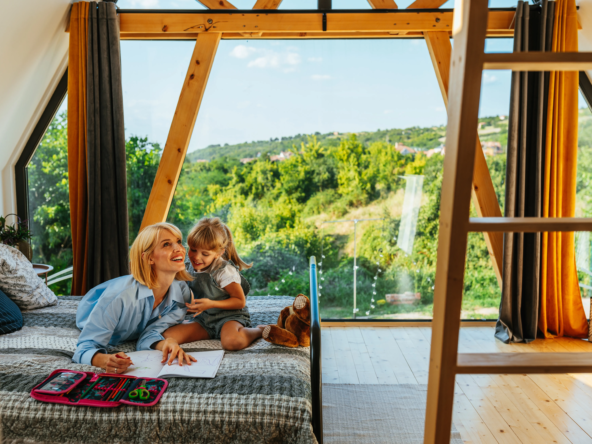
x,y
107,250
519,307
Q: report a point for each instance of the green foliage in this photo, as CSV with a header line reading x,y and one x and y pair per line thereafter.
x,y
13,234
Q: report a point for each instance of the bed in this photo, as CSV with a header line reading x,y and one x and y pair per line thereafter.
x,y
262,394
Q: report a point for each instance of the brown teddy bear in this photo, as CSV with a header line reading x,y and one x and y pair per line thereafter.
x,y
293,325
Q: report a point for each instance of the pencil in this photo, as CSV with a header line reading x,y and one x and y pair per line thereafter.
x,y
88,389
123,389
106,392
114,391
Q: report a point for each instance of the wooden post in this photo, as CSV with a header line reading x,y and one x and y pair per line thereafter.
x,y
217,4
483,191
470,20
426,4
267,4
383,4
179,136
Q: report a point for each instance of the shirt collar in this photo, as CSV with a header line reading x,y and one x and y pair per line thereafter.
x,y
144,292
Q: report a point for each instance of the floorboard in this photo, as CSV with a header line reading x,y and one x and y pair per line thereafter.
x,y
513,409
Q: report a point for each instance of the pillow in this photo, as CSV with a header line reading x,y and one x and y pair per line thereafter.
x,y
11,318
20,282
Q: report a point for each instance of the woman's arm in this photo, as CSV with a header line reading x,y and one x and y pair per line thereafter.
x,y
236,301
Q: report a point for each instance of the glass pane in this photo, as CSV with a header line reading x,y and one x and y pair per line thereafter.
x,y
300,141
49,205
584,201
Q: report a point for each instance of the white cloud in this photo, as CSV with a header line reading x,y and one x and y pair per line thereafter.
x,y
315,59
489,78
387,111
242,51
273,59
320,77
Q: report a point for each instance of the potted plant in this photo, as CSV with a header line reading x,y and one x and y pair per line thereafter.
x,y
17,235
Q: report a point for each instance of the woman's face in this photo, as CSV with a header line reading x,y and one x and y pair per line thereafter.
x,y
169,254
201,258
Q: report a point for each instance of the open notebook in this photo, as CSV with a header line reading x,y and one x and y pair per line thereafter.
x,y
147,365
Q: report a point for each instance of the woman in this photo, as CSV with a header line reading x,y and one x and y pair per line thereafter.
x,y
137,307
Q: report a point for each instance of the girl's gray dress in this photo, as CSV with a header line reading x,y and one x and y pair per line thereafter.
x,y
204,286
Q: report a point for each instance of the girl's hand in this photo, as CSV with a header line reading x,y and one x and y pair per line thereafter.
x,y
116,363
172,349
200,305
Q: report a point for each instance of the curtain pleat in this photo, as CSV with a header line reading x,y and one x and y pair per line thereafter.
x,y
518,319
562,312
108,217
77,172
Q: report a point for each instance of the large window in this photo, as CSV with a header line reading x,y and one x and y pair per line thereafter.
x,y
296,140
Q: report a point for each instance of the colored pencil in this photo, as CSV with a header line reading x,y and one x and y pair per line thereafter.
x,y
88,389
123,389
116,389
106,392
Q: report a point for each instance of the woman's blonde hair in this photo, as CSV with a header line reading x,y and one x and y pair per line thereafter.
x,y
210,233
142,249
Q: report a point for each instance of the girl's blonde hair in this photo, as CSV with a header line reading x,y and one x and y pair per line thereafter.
x,y
210,233
142,249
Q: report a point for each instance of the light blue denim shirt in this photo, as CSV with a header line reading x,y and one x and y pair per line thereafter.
x,y
120,310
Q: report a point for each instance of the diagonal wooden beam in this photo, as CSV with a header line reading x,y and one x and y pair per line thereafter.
x,y
179,136
217,4
426,4
383,4
267,4
483,191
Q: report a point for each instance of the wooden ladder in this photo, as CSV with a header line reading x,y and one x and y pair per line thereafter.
x,y
467,63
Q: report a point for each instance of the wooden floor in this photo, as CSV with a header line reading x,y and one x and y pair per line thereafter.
x,y
487,409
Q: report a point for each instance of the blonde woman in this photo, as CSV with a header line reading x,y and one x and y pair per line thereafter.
x,y
137,307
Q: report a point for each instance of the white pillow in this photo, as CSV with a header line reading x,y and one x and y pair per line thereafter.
x,y
20,282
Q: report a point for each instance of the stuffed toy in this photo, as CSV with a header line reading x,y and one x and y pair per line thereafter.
x,y
293,325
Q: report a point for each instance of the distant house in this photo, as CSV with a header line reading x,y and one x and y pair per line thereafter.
x,y
247,159
404,150
284,155
202,160
492,148
438,150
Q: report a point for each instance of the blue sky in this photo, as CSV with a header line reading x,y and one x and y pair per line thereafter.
x,y
266,89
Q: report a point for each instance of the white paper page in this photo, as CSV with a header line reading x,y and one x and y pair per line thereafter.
x,y
146,363
206,366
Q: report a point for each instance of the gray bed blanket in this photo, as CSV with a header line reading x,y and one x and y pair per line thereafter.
x,y
261,394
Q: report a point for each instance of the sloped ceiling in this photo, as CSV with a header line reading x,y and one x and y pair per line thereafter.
x,y
33,57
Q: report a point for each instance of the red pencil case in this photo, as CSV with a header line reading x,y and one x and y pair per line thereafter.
x,y
102,390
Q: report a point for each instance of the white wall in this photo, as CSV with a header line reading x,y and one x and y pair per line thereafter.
x,y
33,58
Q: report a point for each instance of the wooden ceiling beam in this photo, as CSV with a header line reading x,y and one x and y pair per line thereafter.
x,y
155,25
217,4
426,4
267,4
383,4
482,191
173,155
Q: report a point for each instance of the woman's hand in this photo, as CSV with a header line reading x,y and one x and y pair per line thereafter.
x,y
116,363
200,305
171,349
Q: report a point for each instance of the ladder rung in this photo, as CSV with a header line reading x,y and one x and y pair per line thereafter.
x,y
526,363
539,61
529,224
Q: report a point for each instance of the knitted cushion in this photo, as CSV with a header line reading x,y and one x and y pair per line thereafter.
x,y
20,282
11,318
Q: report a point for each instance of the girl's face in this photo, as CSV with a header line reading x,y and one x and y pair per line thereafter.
x,y
201,258
169,254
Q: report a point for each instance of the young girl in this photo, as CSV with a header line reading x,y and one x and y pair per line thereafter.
x,y
220,289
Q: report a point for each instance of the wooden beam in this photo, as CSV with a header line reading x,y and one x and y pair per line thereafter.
x,y
383,4
524,363
217,4
158,24
483,191
470,24
179,136
539,61
426,4
529,224
267,4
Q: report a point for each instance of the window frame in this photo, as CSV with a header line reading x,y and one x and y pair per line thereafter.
x,y
20,168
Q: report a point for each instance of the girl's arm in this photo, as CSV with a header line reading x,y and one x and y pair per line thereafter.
x,y
236,301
